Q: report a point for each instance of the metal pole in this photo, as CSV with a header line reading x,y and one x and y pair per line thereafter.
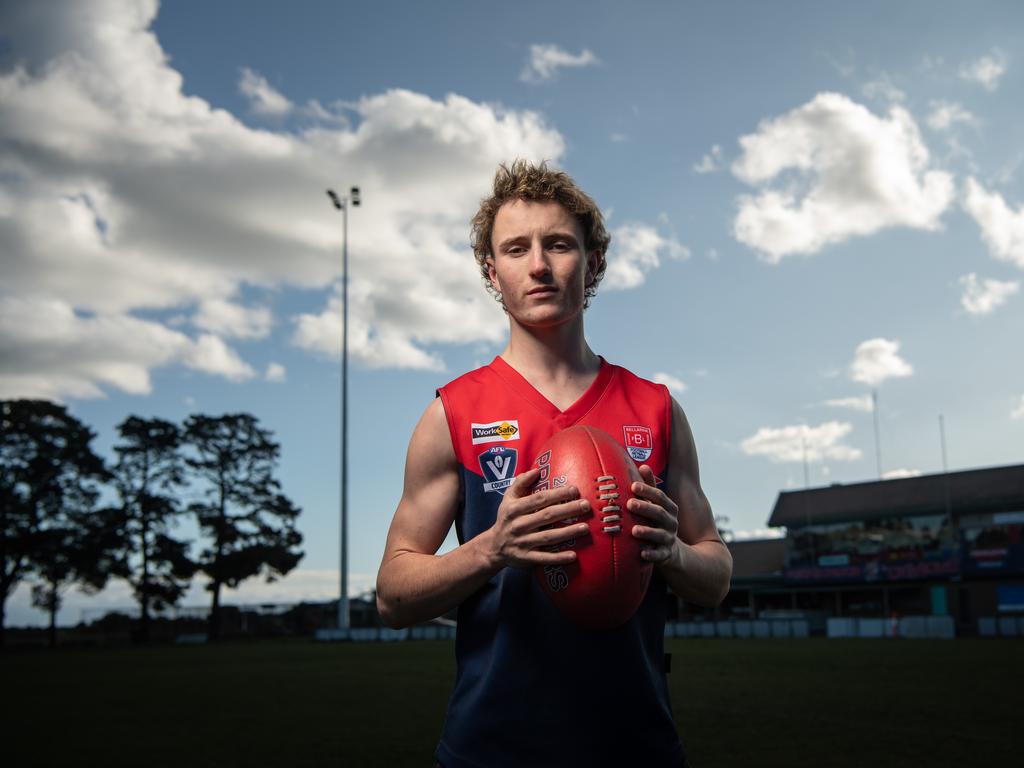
x,y
342,204
343,614
945,477
878,442
942,440
803,442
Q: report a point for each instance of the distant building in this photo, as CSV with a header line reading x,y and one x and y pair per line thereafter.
x,y
945,544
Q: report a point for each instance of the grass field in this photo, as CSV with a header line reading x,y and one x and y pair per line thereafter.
x,y
737,703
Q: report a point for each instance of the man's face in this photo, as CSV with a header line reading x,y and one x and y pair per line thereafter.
x,y
539,266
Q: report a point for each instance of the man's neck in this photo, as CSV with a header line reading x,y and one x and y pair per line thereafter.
x,y
557,361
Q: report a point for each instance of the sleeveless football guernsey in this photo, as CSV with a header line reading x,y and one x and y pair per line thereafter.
x,y
532,688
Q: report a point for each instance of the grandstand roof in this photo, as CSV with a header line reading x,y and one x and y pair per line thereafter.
x,y
993,489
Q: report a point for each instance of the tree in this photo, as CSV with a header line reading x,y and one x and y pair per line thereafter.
x,y
249,523
75,544
48,492
149,475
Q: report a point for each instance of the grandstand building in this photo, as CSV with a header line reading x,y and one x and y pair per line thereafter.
x,y
934,545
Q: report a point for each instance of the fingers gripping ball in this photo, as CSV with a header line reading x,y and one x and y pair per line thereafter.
x,y
608,580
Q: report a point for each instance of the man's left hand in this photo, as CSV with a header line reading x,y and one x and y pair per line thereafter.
x,y
658,535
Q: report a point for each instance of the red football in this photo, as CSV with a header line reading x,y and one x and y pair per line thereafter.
x,y
607,582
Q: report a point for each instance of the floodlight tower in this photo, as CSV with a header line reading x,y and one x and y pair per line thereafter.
x,y
342,203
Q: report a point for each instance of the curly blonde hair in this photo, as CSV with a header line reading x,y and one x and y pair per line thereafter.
x,y
537,183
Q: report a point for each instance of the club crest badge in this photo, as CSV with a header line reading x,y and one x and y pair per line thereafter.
x,y
639,442
499,467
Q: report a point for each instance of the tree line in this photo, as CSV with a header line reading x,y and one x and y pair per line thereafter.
x,y
68,518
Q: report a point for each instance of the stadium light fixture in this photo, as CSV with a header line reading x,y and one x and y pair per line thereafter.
x,y
341,203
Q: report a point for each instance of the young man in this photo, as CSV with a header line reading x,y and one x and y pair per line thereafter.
x,y
533,689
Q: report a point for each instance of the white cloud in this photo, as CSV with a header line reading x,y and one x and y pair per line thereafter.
x,y
211,355
853,173
1001,227
986,71
636,250
877,360
897,474
545,60
228,319
264,99
855,403
981,298
883,88
1018,412
276,373
795,443
946,114
48,350
675,384
121,195
618,138
711,162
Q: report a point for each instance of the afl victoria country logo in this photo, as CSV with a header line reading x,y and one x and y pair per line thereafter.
x,y
495,432
639,442
499,467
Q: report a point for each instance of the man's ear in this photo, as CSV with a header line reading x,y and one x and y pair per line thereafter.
x,y
492,275
595,259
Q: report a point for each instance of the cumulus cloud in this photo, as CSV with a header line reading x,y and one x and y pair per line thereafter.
x,y
1018,412
392,340
1001,227
883,88
122,195
799,442
986,71
211,355
228,319
711,162
897,474
264,99
276,373
545,60
945,114
856,403
636,250
48,350
981,297
838,171
877,360
675,384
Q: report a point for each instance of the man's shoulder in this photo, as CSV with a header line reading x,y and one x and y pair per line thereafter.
x,y
630,379
473,378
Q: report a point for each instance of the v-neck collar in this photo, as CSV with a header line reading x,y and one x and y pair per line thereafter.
x,y
528,392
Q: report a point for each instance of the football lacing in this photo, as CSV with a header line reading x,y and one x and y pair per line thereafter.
x,y
610,495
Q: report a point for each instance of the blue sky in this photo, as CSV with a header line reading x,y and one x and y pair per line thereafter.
x,y
808,202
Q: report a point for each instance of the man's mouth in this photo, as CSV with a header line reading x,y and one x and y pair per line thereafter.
x,y
541,290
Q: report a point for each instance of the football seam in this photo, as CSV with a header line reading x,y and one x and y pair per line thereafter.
x,y
604,472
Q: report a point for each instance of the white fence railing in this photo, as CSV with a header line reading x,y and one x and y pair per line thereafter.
x,y
1001,626
937,627
909,627
741,628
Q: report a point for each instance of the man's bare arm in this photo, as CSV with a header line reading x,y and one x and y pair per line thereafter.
x,y
681,535
414,583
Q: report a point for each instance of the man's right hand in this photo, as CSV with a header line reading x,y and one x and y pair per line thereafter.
x,y
518,538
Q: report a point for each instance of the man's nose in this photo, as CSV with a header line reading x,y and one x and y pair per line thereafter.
x,y
539,265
